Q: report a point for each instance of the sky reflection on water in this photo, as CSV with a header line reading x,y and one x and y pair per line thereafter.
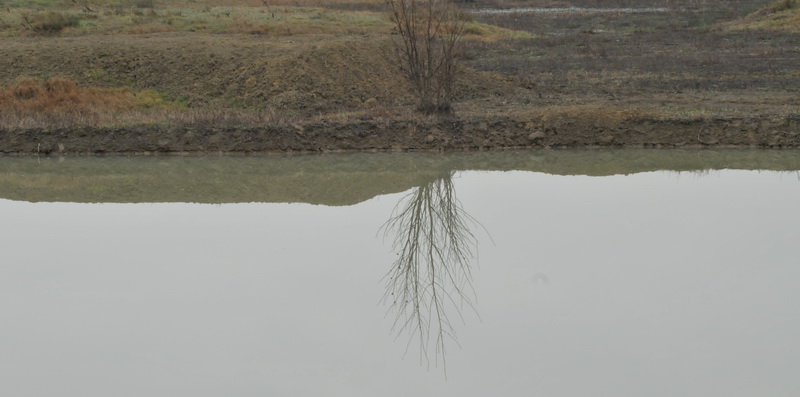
x,y
658,284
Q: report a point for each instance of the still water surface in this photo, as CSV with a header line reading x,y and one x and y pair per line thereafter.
x,y
554,274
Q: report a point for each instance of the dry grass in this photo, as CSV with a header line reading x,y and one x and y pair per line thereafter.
x,y
219,118
607,115
60,103
273,20
582,114
476,31
781,15
94,5
279,18
677,62
61,95
592,66
49,23
265,17
58,100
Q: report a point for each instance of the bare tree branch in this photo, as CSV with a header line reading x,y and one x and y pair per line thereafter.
x,y
432,276
429,36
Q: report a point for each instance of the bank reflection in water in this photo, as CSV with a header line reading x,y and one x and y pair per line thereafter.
x,y
662,283
429,285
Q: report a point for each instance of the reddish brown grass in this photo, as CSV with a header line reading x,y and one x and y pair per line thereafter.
x,y
61,95
60,103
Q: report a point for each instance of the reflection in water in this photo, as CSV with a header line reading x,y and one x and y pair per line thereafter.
x,y
660,284
432,276
330,179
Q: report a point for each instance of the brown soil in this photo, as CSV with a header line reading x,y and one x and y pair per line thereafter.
x,y
676,79
443,135
303,75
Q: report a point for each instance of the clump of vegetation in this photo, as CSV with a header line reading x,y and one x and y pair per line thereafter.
x,y
49,23
58,95
781,15
60,102
785,5
144,3
429,34
775,7
267,17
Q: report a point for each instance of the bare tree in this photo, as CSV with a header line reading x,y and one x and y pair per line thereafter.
x,y
429,34
432,277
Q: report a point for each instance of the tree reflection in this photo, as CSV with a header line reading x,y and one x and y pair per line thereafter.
x,y
431,280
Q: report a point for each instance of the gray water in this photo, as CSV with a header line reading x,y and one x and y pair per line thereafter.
x,y
556,274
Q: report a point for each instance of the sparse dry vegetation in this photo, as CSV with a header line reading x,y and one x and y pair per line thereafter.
x,y
311,61
428,48
60,101
781,15
50,22
62,95
276,18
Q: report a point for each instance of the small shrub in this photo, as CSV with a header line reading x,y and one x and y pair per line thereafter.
x,y
50,23
428,46
778,6
59,86
787,4
26,89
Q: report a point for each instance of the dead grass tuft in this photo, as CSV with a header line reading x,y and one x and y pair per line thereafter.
x,y
58,100
58,94
49,23
60,103
781,15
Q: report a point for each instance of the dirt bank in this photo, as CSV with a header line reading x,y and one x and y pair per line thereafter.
x,y
686,77
441,135
302,75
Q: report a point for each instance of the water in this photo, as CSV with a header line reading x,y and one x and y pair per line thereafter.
x,y
581,273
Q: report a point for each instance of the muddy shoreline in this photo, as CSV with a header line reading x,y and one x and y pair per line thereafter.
x,y
496,133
